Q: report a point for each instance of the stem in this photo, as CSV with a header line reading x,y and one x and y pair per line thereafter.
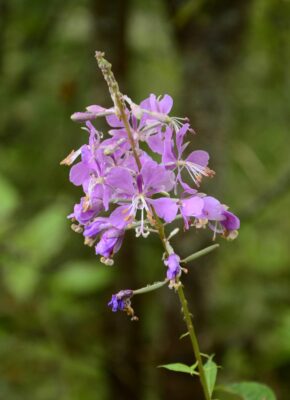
x,y
150,288
118,101
128,130
193,340
120,110
185,309
200,253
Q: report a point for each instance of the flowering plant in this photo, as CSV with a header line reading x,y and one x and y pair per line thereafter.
x,y
140,176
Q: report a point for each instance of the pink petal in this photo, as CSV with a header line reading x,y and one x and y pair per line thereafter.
x,y
114,122
180,136
79,173
192,207
199,157
120,178
120,217
165,208
165,104
95,109
156,178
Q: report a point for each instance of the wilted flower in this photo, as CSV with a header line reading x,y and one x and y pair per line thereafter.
x,y
121,302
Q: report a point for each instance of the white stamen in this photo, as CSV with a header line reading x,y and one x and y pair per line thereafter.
x,y
139,203
196,171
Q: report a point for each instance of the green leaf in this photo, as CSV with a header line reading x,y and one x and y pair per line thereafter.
x,y
247,391
32,246
21,278
210,369
179,367
43,236
9,198
82,277
225,395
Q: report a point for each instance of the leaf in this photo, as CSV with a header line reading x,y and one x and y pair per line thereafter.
x,y
210,369
43,236
248,391
9,198
179,367
224,393
31,247
81,277
21,278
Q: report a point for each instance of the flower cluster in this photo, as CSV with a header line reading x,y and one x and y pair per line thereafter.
x,y
141,174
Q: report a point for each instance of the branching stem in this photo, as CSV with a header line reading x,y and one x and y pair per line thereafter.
x,y
151,288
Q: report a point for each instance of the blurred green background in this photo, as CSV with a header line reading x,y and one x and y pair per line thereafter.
x,y
226,63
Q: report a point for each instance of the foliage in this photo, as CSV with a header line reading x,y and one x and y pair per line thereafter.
x,y
246,391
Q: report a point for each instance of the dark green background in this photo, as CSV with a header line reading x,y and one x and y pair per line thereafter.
x,y
226,63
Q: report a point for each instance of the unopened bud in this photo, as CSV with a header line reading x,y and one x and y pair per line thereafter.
x,y
83,116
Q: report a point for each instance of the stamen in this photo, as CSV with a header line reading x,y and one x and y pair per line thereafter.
x,y
107,261
196,171
73,155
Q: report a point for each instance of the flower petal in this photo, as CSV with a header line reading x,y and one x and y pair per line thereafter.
x,y
231,221
199,157
192,207
79,173
168,155
165,104
114,121
165,208
212,209
156,143
120,217
156,178
121,180
180,137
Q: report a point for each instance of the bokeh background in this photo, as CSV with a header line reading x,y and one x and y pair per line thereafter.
x,y
226,63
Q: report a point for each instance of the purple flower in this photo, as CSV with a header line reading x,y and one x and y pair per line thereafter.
x,y
195,163
159,107
96,226
173,266
91,173
121,300
84,212
219,219
230,222
212,209
191,207
110,242
167,208
153,114
121,193
137,191
116,304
